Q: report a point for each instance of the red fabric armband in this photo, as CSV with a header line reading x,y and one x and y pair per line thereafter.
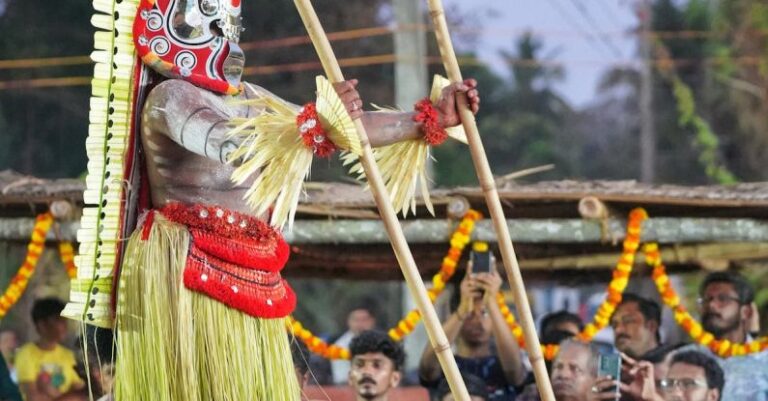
x,y
434,133
312,133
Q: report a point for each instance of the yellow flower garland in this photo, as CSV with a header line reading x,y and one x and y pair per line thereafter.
x,y
618,284
67,254
723,348
35,248
459,240
615,289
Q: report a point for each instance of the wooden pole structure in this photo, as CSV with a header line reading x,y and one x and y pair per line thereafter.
x,y
403,253
488,186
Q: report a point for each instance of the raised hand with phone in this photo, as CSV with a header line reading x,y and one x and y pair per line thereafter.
x,y
475,322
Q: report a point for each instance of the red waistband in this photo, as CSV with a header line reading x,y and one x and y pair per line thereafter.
x,y
231,236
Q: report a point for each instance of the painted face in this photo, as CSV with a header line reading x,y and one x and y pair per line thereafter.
x,y
194,40
721,311
633,334
372,375
571,373
686,382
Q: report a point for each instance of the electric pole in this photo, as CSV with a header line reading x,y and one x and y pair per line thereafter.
x,y
647,130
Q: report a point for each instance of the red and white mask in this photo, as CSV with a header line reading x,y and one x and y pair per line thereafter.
x,y
194,40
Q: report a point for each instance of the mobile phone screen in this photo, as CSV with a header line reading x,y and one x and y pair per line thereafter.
x,y
481,257
610,365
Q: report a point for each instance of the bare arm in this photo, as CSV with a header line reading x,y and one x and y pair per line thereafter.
x,y
392,127
506,346
197,119
429,366
192,117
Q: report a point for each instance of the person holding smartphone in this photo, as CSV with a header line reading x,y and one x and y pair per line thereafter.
x,y
474,323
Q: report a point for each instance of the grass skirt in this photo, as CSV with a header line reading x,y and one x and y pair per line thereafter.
x,y
174,344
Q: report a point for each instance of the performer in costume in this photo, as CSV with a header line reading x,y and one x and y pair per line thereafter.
x,y
196,296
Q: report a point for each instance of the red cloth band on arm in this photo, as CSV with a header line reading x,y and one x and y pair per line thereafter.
x,y
426,114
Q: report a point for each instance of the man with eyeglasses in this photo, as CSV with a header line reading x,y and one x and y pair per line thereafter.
x,y
692,376
725,304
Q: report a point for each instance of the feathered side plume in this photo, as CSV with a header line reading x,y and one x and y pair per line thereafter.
x,y
272,148
403,165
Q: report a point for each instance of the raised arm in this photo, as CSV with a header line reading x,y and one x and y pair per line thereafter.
x,y
507,349
197,119
194,118
391,127
429,366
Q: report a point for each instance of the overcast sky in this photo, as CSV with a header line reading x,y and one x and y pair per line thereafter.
x,y
586,36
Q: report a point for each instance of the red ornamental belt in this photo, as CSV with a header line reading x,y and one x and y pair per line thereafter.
x,y
234,258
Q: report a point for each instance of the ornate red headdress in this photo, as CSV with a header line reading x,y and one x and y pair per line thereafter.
x,y
194,40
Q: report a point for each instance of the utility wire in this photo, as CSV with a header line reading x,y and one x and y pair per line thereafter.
x,y
587,16
50,62
390,58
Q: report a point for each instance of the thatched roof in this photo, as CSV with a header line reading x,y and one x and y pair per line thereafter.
x,y
549,201
542,199
17,188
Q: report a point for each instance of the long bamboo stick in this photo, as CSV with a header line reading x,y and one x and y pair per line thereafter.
x,y
488,185
407,264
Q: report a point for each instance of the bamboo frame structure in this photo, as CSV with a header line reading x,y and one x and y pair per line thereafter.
x,y
488,186
402,251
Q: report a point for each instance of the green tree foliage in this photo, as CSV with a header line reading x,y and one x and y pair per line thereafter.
x,y
522,119
709,105
43,131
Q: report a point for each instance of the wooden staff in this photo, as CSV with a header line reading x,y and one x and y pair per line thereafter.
x,y
494,204
402,251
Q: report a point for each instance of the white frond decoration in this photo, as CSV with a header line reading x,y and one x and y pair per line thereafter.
x,y
109,131
403,165
335,119
271,150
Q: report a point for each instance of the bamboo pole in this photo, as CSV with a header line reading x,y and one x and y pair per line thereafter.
x,y
397,238
488,186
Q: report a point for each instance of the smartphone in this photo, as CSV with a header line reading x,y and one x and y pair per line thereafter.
x,y
610,365
481,257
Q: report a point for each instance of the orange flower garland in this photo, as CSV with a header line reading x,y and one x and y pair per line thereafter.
x,y
34,250
615,289
67,254
459,240
723,348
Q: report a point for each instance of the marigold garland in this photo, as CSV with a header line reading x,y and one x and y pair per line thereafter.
x,y
459,240
67,254
35,248
723,348
615,289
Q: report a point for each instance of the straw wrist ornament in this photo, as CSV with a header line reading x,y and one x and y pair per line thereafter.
x,y
427,115
403,165
312,133
279,144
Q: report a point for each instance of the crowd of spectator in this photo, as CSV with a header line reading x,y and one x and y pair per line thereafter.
x,y
491,364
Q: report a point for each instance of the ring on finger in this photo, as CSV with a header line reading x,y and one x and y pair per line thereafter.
x,y
595,389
